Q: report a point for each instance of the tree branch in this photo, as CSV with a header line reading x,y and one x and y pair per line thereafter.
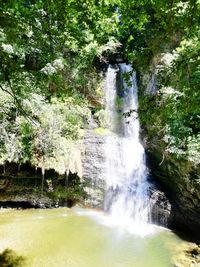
x,y
16,101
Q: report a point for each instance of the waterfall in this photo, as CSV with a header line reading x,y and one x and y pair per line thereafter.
x,y
126,198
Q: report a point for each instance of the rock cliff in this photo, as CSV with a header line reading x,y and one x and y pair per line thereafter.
x,y
168,160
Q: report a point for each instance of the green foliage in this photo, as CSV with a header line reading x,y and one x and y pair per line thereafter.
x,y
102,118
49,51
148,27
174,113
49,138
119,103
49,47
46,72
47,55
8,258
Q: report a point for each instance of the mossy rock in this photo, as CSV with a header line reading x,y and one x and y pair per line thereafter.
x,y
102,131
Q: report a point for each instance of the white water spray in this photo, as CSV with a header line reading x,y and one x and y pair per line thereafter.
x,y
126,173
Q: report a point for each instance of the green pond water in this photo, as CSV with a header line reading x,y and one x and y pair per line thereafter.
x,y
78,238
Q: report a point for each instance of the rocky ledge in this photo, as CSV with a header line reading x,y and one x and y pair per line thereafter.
x,y
25,187
188,255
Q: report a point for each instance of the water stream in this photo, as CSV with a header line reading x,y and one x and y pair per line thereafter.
x,y
126,173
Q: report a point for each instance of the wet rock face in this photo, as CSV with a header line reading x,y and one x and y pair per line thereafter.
x,y
21,197
21,187
161,208
93,163
180,180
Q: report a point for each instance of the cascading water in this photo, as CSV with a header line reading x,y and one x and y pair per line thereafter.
x,y
126,197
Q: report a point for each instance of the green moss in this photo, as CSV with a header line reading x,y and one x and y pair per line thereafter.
x,y
67,189
102,131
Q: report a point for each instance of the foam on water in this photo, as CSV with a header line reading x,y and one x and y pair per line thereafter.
x,y
124,226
